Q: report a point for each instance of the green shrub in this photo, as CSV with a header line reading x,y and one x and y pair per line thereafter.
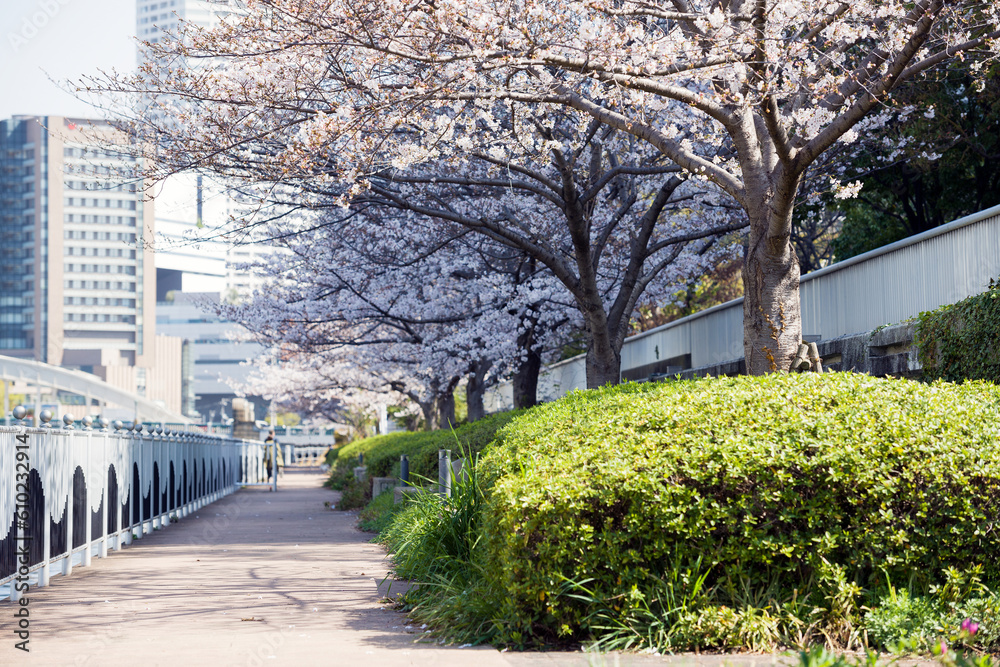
x,y
382,452
377,514
916,621
355,493
340,477
959,341
796,491
903,619
819,656
330,458
436,534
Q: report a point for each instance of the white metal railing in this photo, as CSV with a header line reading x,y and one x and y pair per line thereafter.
x,y
69,493
304,455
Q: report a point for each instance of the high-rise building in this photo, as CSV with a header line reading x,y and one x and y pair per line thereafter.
x,y
191,208
189,211
77,277
155,18
217,366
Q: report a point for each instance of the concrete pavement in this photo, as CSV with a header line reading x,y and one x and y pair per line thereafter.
x,y
258,578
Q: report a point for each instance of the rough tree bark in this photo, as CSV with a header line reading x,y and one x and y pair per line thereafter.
x,y
525,380
604,363
475,390
445,404
446,410
772,320
429,410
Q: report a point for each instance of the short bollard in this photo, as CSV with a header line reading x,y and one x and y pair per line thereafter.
x,y
444,472
404,470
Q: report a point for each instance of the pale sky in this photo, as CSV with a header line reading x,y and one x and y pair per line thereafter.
x,y
60,39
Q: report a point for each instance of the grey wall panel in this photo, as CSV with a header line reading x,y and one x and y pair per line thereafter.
x,y
718,336
664,343
885,286
898,284
562,378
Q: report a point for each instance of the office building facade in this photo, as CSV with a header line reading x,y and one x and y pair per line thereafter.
x,y
219,360
77,274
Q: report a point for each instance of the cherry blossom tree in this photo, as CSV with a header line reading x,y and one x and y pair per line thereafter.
x,y
346,316
401,304
744,94
593,207
596,208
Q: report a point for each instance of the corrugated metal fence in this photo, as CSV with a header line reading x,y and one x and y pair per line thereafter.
x,y
884,286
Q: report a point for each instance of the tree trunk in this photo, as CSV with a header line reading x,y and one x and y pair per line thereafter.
x,y
430,412
772,319
604,365
525,380
475,389
446,409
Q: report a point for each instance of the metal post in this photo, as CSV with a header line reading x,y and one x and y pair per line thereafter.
x,y
44,571
274,463
88,523
67,456
274,446
21,533
38,402
144,456
404,469
105,506
444,472
383,419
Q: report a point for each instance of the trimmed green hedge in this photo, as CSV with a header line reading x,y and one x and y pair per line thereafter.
x,y
784,487
960,341
382,452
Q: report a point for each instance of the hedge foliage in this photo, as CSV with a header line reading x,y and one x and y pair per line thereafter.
x,y
797,487
382,452
960,341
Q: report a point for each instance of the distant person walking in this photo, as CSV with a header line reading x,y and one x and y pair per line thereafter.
x,y
269,440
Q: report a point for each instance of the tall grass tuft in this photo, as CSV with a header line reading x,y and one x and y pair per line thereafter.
x,y
434,542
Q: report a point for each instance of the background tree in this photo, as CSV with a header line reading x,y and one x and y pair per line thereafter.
x,y
595,208
942,164
378,303
747,95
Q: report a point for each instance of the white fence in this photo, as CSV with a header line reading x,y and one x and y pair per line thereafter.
x,y
67,495
304,455
884,286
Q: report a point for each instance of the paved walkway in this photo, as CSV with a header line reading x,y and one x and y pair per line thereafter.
x,y
257,578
